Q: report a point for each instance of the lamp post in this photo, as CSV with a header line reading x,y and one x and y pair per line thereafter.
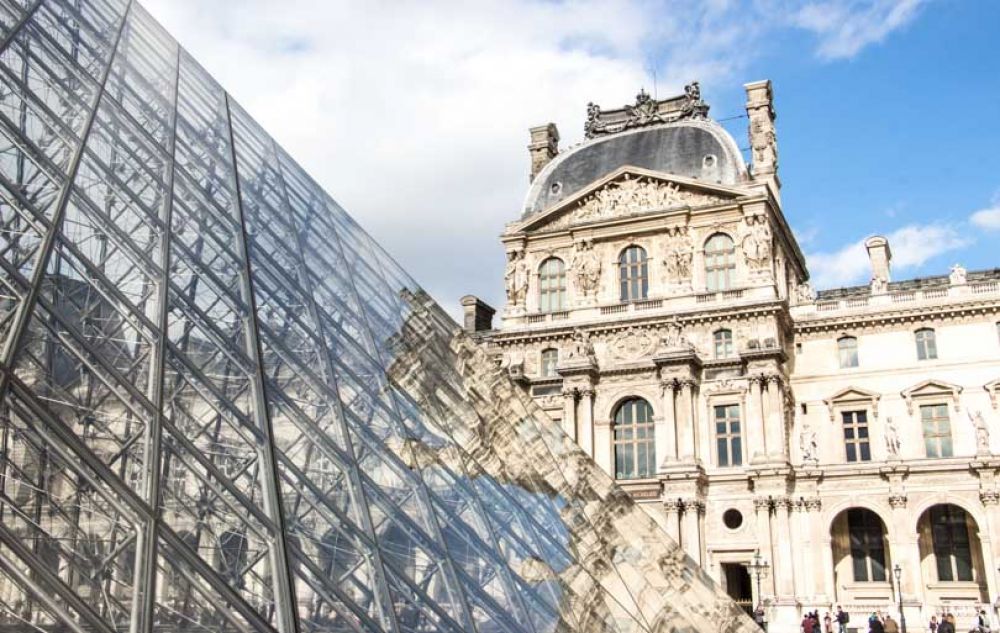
x,y
897,571
758,567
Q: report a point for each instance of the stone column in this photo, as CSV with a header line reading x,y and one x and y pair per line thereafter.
x,y
815,572
603,446
685,425
784,564
774,437
691,528
800,551
673,511
755,422
569,412
585,425
904,548
762,514
666,431
991,547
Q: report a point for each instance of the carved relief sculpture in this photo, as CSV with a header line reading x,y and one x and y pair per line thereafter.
x,y
957,277
586,268
808,445
673,338
879,285
632,344
756,243
679,254
581,349
804,293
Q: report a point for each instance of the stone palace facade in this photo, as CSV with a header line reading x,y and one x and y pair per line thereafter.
x,y
659,309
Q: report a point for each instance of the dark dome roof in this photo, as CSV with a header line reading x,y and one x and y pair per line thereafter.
x,y
682,148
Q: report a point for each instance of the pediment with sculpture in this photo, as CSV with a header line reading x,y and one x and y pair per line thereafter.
x,y
629,192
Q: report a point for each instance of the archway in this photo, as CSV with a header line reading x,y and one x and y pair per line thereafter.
x,y
859,544
951,561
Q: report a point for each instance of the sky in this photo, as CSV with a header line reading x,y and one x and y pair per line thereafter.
x,y
414,115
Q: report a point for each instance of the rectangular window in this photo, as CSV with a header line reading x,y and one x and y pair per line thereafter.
x,y
848,348
937,430
926,344
856,441
550,358
728,435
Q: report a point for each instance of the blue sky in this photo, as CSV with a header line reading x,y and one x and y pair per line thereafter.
x,y
414,115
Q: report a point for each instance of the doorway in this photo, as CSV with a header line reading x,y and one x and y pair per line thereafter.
x,y
738,586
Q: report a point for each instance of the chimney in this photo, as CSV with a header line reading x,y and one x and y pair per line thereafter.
x,y
763,137
478,315
880,256
543,148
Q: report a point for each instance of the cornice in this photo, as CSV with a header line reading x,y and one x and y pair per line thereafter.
x,y
891,316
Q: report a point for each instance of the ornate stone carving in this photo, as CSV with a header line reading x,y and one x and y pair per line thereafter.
x,y
879,285
957,277
516,279
632,344
814,504
989,497
672,506
581,349
586,267
694,107
892,441
761,503
763,138
897,500
804,293
678,257
756,242
808,445
982,432
672,339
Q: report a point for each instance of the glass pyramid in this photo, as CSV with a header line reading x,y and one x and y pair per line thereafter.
x,y
225,408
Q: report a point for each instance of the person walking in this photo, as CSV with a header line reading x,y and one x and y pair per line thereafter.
x,y
807,623
890,625
946,625
875,624
827,623
933,624
982,622
842,619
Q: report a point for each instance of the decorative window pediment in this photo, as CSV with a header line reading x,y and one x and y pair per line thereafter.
x,y
852,396
993,388
931,389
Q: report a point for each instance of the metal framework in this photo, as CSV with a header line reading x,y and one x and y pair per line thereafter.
x,y
224,408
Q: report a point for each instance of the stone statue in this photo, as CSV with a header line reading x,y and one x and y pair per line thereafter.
x,y
880,285
804,293
757,242
892,443
693,107
808,445
982,432
594,124
958,275
673,338
582,348
586,269
678,257
515,279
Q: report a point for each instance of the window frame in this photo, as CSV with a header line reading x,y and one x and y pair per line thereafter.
x,y
849,421
544,363
719,263
947,553
925,339
552,284
729,439
853,350
723,337
865,540
941,438
633,274
633,439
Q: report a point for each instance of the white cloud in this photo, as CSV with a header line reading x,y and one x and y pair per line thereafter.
x,y
911,247
988,219
844,28
414,115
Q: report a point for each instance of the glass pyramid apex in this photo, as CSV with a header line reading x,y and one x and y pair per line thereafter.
x,y
225,408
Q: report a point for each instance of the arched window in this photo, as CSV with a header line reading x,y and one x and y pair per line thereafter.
x,y
950,539
867,539
550,358
633,273
926,344
847,348
720,262
723,343
552,285
635,453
